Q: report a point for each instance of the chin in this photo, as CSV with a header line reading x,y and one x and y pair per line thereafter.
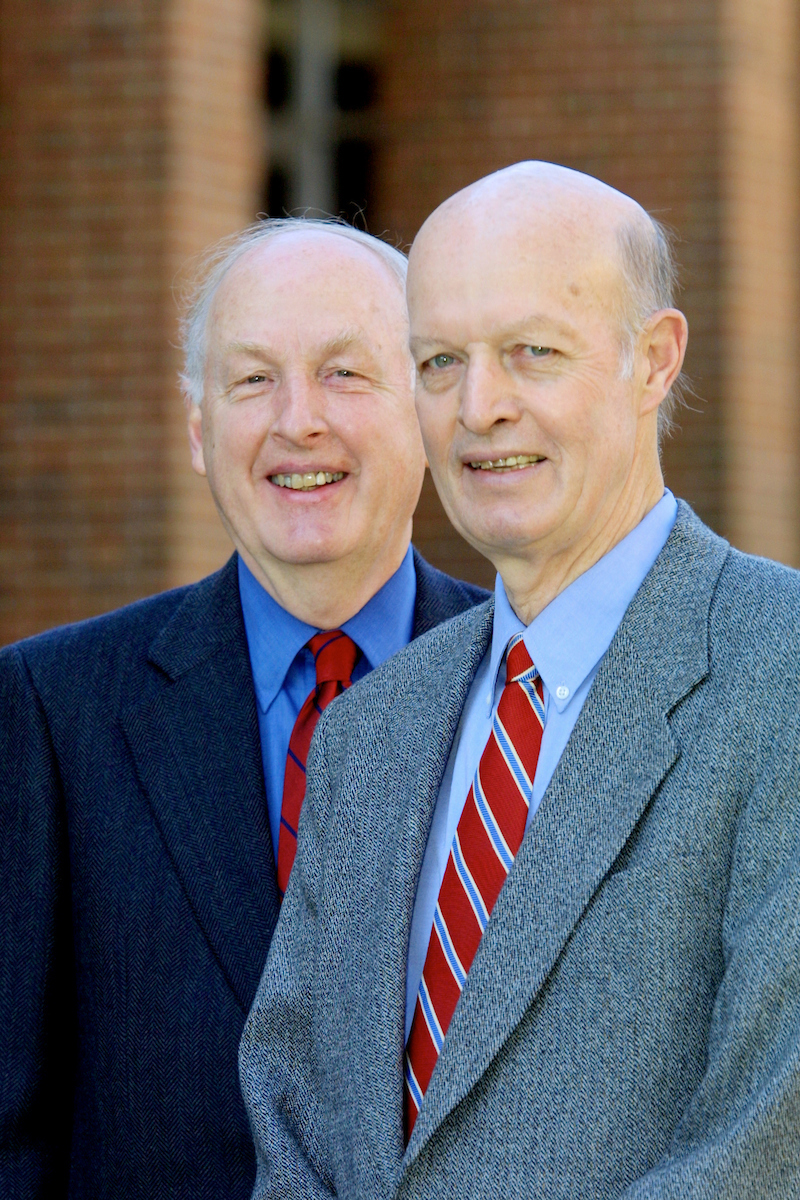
x,y
303,541
500,541
307,555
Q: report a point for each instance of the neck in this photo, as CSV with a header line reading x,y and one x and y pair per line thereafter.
x,y
533,582
326,594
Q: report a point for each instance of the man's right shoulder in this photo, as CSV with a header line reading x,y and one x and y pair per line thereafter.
x,y
119,640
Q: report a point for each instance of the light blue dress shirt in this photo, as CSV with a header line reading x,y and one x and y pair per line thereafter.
x,y
283,669
567,642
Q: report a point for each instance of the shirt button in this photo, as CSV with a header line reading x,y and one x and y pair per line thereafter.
x,y
562,691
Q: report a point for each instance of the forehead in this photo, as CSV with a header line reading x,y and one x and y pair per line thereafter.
x,y
307,287
476,278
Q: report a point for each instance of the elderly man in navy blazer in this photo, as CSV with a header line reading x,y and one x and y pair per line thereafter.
x,y
543,934
146,796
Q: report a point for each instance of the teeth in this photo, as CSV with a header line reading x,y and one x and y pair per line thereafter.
x,y
307,481
513,460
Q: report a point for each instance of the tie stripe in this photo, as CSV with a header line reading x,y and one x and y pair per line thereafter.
x,y
486,841
448,949
413,1086
493,831
334,656
472,892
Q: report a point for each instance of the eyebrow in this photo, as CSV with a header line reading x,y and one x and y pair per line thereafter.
x,y
519,329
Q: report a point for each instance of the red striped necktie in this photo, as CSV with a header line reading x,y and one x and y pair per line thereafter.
x,y
488,836
335,656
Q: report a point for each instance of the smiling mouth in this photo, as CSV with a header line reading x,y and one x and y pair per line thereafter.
x,y
308,480
513,462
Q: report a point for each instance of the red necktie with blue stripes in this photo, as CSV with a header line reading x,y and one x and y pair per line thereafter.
x,y
335,656
488,836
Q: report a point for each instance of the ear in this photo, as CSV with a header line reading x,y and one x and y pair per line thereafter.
x,y
663,343
194,420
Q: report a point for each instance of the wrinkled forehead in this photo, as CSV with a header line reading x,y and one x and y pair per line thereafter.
x,y
494,267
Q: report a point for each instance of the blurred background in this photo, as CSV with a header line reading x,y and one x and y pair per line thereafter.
x,y
136,132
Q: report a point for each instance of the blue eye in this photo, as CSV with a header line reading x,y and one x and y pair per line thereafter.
x,y
539,351
441,360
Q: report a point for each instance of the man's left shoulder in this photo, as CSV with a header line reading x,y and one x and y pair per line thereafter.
x,y
750,604
440,596
755,613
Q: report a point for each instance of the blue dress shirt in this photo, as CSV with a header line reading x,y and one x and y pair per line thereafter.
x,y
567,642
283,669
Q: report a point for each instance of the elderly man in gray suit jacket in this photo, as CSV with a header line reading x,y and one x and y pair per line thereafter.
x,y
543,934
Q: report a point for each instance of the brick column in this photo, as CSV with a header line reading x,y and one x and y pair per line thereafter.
x,y
760,246
126,143
214,172
626,92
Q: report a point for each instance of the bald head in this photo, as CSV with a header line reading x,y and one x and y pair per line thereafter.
x,y
582,221
545,343
578,203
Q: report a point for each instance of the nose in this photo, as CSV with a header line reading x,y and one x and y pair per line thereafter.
x,y
487,395
301,411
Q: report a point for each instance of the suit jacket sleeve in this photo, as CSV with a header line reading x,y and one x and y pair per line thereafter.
x,y
276,1058
35,993
739,1134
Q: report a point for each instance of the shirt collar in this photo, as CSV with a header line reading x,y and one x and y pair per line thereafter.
x,y
385,624
275,637
569,637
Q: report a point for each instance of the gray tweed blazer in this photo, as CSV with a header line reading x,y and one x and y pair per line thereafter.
x,y
630,1026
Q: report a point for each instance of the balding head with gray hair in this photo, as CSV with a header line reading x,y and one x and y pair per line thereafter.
x,y
649,279
546,344
218,261
300,409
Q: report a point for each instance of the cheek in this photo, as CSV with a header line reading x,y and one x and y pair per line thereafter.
x,y
436,425
237,439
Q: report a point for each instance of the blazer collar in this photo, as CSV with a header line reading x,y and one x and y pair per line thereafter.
x,y
196,748
439,597
594,800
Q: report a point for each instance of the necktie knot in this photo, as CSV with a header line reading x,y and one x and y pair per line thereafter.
x,y
519,663
335,656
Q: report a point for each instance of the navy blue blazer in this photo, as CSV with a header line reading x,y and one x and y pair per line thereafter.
x,y
139,894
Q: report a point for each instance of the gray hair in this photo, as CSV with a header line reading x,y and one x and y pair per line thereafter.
x,y
217,262
650,281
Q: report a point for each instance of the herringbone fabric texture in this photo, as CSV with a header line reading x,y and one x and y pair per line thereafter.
x,y
488,836
335,656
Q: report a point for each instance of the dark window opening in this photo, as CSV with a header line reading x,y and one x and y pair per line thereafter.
x,y
278,81
276,192
354,158
356,86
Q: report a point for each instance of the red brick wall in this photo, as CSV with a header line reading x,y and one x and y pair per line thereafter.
x,y
760,317
117,161
625,91
129,141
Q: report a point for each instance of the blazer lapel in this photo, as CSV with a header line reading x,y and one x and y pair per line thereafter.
x,y
618,754
196,747
426,726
